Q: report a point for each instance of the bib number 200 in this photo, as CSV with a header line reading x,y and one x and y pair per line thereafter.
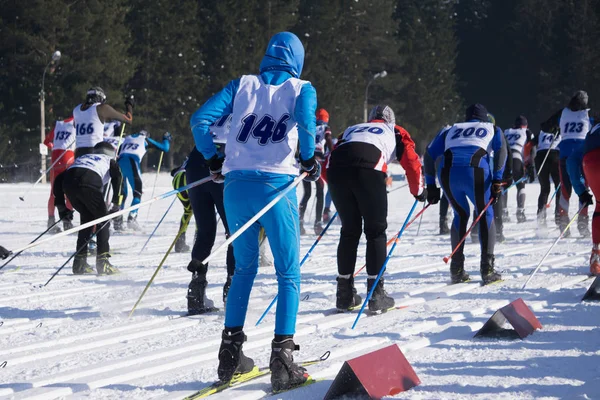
x,y
265,130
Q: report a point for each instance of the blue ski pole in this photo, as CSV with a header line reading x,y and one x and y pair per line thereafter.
x,y
264,314
370,294
159,222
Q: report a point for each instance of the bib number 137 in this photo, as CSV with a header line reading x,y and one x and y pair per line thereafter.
x,y
265,130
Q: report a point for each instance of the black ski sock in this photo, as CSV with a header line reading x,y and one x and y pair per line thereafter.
x,y
281,338
234,330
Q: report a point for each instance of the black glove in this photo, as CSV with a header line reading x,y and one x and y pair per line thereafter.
x,y
507,181
530,173
586,198
4,253
422,196
215,166
65,214
129,103
496,191
433,193
313,168
114,207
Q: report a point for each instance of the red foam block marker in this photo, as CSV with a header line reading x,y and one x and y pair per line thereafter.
x,y
384,372
518,315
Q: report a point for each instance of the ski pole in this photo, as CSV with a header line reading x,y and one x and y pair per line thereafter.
x,y
447,258
264,314
74,254
118,213
394,237
398,236
33,241
159,222
162,153
181,230
22,198
252,220
421,219
554,195
553,244
399,187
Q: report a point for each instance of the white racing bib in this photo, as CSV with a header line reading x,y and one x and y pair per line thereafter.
x,y
516,138
99,163
264,133
479,134
547,141
89,130
135,145
574,124
113,141
379,134
64,135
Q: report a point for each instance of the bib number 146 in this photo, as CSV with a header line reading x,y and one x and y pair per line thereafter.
x,y
265,130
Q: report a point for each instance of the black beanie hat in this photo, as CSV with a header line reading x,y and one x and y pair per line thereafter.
x,y
521,121
476,111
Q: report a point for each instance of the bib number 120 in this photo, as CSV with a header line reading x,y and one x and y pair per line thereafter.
x,y
264,130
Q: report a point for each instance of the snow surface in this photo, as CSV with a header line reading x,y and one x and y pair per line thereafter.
x,y
73,339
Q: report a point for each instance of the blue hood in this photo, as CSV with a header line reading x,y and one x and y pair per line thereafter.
x,y
285,52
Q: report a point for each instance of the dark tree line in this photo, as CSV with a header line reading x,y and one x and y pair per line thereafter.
x,y
515,56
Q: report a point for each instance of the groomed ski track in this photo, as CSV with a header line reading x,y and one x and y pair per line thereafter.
x,y
73,339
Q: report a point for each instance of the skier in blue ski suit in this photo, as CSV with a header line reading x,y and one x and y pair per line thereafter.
x,y
466,173
131,152
271,112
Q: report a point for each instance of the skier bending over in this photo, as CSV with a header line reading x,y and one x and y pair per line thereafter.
x,y
466,175
271,112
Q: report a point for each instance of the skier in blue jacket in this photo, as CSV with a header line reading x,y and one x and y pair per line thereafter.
x,y
467,174
271,113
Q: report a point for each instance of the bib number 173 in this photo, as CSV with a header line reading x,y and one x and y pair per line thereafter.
x,y
265,130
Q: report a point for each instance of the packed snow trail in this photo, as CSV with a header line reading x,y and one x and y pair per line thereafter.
x,y
73,338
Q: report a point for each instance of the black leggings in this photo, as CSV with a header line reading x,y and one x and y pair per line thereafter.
x,y
205,198
304,202
360,195
518,169
83,188
550,170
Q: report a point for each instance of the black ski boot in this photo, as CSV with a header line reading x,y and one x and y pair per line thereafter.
x,y
285,374
457,270
444,230
180,245
302,230
104,267
583,226
226,287
346,296
380,301
488,272
521,216
80,265
198,303
118,224
231,357
55,228
318,227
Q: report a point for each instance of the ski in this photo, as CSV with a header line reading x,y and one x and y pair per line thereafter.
x,y
308,382
256,373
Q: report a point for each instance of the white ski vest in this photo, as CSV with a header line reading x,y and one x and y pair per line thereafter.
x,y
64,136
135,145
379,134
574,124
88,127
516,138
264,133
110,128
479,134
547,141
99,163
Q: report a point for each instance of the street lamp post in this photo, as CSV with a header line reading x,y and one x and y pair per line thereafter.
x,y
381,74
55,58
